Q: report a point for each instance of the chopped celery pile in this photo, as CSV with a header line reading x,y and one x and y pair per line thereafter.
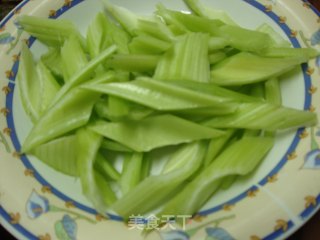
x,y
199,88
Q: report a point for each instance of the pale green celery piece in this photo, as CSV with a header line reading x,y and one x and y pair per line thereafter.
x,y
246,68
104,188
257,90
228,181
273,91
240,158
204,11
146,44
29,85
154,132
142,198
119,108
50,31
162,96
200,113
69,113
105,168
217,57
88,144
216,146
217,43
127,19
188,22
278,40
156,28
131,172
245,39
73,58
102,33
60,154
146,166
300,53
85,74
114,146
52,60
264,116
134,62
215,90
186,60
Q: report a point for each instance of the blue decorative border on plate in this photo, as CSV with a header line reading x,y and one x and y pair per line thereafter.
x,y
28,165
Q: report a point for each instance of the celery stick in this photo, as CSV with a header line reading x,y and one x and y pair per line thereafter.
x,y
216,146
228,181
145,44
69,113
154,132
131,172
54,30
264,116
162,186
187,60
162,96
245,39
73,58
85,74
156,28
105,168
118,108
240,158
133,62
301,53
277,39
273,91
29,86
246,68
60,154
102,33
146,166
217,43
217,57
204,11
93,186
52,60
257,90
114,146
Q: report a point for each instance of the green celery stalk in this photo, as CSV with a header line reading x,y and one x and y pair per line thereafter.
x,y
50,31
69,113
52,60
300,53
146,44
187,60
94,187
146,166
118,108
216,57
277,39
216,146
133,62
142,198
73,58
114,146
162,96
217,43
105,168
245,39
102,33
264,116
154,132
60,154
240,158
156,28
204,11
228,181
131,172
247,68
273,91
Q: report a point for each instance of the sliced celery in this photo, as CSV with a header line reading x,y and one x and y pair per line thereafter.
x,y
69,113
154,132
187,60
162,96
273,91
300,53
60,154
145,44
278,40
105,168
94,187
73,58
246,68
217,43
206,12
118,108
52,60
156,28
240,158
50,31
264,116
114,146
131,172
142,198
217,57
228,181
134,62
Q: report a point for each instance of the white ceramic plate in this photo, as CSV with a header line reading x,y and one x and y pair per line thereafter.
x,y
39,203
